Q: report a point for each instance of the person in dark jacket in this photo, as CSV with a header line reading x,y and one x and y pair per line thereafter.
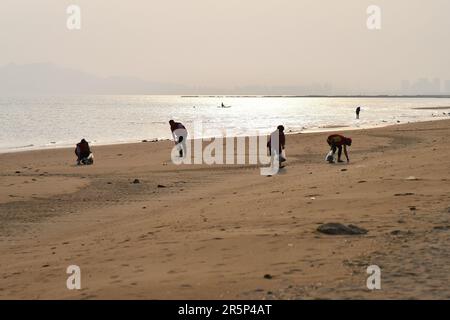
x,y
281,144
179,134
83,151
358,111
336,142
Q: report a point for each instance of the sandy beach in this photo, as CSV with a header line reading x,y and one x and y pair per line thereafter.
x,y
225,231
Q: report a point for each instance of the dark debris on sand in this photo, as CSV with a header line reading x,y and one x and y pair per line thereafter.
x,y
340,229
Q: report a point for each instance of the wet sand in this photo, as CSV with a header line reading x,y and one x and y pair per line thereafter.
x,y
225,231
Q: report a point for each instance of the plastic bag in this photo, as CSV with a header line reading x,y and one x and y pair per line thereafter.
x,y
330,157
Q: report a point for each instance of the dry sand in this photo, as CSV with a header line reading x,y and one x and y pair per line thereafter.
x,y
214,232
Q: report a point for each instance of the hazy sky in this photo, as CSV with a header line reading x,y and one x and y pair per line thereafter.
x,y
235,42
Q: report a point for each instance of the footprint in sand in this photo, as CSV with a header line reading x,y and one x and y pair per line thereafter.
x,y
403,194
116,281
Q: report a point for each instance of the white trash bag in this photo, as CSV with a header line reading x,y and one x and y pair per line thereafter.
x,y
88,160
330,157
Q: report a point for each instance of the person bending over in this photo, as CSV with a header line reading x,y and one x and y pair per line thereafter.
x,y
336,142
179,134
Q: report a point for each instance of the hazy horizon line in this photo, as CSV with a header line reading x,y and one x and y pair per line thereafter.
x,y
50,78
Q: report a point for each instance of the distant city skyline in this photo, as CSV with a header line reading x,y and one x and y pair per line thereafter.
x,y
230,47
425,86
52,79
245,47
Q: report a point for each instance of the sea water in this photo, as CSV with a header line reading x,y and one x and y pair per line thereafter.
x,y
33,122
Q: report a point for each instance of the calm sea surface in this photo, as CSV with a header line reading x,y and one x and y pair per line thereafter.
x,y
32,122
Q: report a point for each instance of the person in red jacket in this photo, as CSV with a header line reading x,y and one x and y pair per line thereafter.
x,y
336,142
83,151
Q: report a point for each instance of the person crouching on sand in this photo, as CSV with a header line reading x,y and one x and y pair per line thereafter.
x,y
179,134
273,150
83,152
336,142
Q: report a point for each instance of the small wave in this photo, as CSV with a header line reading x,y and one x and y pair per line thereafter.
x,y
26,146
159,122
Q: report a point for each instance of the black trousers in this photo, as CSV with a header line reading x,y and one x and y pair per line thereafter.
x,y
334,148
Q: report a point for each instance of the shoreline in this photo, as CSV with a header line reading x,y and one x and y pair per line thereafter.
x,y
324,129
318,96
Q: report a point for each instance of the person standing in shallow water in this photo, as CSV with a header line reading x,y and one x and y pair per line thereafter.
x,y
358,110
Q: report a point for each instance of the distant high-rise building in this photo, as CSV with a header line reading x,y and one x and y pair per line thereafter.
x,y
447,87
406,87
435,86
422,86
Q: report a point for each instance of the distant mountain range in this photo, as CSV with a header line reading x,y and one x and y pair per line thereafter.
x,y
46,78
